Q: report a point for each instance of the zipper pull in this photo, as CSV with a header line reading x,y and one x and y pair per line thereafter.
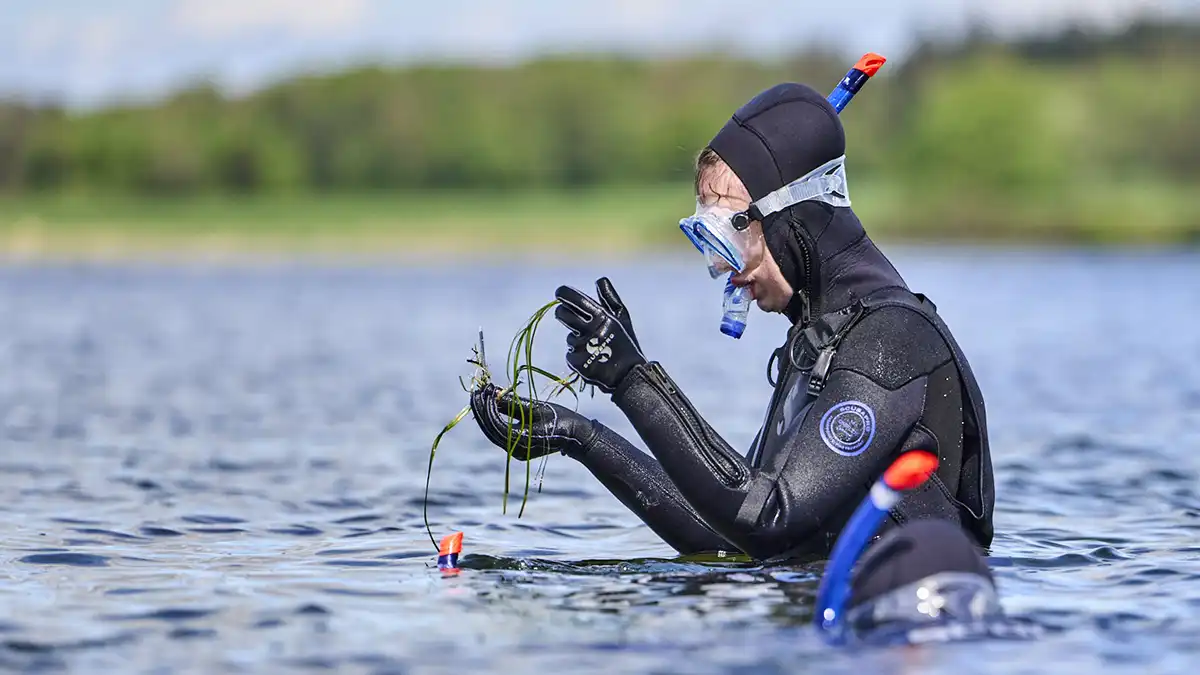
x,y
661,376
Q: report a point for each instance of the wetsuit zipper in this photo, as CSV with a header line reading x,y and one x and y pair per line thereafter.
x,y
810,291
732,472
806,295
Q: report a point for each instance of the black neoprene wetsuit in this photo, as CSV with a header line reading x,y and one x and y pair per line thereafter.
x,y
891,379
867,371
892,385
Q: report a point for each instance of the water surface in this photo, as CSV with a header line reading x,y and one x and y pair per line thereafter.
x,y
221,470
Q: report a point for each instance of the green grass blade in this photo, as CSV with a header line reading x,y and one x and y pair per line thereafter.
x,y
561,382
534,322
429,471
519,361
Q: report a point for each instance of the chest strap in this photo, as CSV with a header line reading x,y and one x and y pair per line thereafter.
x,y
821,339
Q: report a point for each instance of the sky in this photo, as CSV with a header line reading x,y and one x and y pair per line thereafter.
x,y
90,52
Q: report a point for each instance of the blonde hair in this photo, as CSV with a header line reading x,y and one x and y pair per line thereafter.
x,y
708,159
706,163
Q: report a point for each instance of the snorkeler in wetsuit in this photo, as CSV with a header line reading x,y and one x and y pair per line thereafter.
x,y
867,371
922,582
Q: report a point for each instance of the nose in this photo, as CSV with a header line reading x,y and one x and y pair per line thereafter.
x,y
721,265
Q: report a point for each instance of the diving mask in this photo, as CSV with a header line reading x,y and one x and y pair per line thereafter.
x,y
942,597
723,237
942,607
722,234
714,232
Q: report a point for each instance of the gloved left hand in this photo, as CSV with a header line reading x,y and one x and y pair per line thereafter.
x,y
534,428
601,346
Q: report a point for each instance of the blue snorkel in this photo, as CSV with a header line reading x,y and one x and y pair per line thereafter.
x,y
737,298
908,472
855,80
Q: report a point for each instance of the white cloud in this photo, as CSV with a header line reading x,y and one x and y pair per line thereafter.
x,y
223,18
42,34
88,50
646,15
1018,16
99,38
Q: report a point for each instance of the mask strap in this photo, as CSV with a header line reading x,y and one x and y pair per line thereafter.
x,y
826,183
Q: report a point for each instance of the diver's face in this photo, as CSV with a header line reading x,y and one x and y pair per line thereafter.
x,y
720,186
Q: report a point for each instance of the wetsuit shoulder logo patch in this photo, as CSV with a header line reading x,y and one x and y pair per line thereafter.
x,y
848,428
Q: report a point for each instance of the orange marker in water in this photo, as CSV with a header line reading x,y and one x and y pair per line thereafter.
x,y
448,553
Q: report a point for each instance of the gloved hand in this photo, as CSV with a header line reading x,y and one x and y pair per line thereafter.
x,y
601,347
553,428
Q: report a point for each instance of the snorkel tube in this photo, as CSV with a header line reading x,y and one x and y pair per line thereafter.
x,y
855,80
448,554
737,298
908,472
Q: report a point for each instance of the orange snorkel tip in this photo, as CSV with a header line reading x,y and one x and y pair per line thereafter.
x,y
870,63
856,78
448,552
910,470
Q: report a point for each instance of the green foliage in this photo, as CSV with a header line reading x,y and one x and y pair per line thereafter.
x,y
981,122
996,129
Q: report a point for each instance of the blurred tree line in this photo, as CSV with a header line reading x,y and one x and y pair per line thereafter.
x,y
1001,117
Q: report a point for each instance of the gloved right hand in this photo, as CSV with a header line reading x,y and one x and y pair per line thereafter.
x,y
601,347
549,427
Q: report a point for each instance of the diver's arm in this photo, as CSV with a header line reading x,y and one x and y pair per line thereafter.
x,y
762,513
767,511
639,482
537,428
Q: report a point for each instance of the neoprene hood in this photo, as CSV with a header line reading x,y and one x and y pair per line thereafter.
x,y
910,553
777,137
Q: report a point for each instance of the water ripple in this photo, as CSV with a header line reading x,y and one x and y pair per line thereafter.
x,y
74,559
222,470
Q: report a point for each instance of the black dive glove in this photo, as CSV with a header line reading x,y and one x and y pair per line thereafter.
x,y
601,346
551,427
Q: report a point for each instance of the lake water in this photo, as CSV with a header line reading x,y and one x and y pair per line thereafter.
x,y
221,470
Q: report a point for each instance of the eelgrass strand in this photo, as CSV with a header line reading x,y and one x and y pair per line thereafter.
x,y
534,322
429,471
521,346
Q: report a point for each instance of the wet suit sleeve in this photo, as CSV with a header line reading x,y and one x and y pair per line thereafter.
x,y
633,477
806,487
639,482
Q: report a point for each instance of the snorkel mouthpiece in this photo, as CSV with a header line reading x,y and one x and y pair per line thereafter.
x,y
737,308
908,472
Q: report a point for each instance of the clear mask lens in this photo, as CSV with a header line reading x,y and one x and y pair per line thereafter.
x,y
944,597
711,231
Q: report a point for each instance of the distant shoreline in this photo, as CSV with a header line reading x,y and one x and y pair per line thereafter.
x,y
543,226
187,252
